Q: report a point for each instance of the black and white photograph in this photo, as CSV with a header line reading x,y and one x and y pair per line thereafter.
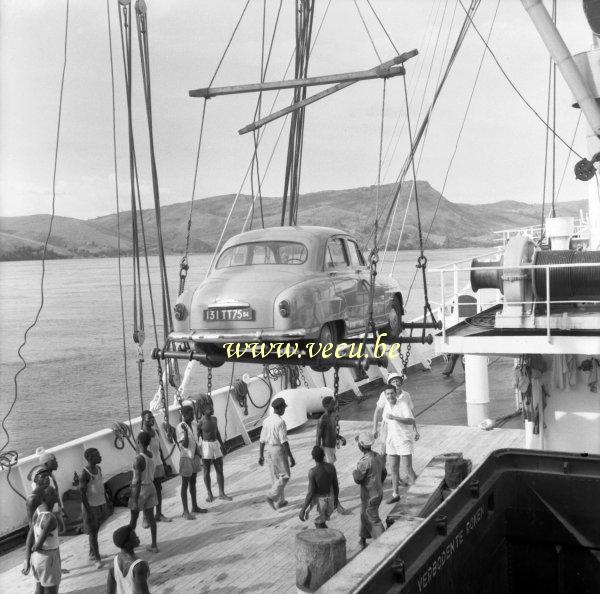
x,y
300,296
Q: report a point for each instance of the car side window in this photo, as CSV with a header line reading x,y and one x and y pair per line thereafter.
x,y
356,256
335,254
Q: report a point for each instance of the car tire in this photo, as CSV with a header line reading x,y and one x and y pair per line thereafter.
x,y
394,326
328,334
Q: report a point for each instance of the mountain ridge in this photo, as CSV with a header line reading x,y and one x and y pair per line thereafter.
x,y
456,224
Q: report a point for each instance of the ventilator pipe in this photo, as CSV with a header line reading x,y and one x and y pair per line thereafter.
x,y
477,389
564,60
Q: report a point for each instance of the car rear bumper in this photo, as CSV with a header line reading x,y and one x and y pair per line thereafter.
x,y
246,336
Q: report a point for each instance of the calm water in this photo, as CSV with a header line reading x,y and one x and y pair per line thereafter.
x,y
74,382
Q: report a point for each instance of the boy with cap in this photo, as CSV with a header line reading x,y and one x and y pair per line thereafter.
x,y
323,489
93,501
49,461
143,492
274,435
369,474
127,573
190,461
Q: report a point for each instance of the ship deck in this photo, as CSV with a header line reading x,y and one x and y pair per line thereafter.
x,y
245,546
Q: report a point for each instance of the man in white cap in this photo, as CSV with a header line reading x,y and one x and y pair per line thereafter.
x,y
396,380
274,435
369,474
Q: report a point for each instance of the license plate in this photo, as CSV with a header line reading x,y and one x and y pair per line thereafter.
x,y
228,314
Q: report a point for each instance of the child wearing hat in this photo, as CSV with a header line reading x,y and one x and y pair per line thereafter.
x,y
369,474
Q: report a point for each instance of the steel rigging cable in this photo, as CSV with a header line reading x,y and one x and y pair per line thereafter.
x,y
114,134
9,458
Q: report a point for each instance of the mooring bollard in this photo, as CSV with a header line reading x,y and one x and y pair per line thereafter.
x,y
319,554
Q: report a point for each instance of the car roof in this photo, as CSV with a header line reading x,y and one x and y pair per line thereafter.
x,y
307,233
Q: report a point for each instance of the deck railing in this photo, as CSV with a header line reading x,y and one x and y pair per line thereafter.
x,y
454,270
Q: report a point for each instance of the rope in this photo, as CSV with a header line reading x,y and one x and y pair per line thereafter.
x,y
514,87
184,261
382,26
368,32
142,28
425,122
114,134
568,156
553,121
460,131
47,240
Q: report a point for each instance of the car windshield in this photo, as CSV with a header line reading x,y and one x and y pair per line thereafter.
x,y
263,252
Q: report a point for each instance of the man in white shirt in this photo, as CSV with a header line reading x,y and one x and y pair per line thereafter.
x,y
401,435
396,380
273,435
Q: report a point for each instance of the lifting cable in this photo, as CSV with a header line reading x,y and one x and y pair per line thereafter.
x,y
138,312
115,169
421,260
425,122
460,131
10,458
184,265
142,31
257,112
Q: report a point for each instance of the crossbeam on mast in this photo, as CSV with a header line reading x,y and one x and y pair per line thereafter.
x,y
387,69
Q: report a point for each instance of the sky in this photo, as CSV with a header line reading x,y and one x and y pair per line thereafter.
x,y
500,155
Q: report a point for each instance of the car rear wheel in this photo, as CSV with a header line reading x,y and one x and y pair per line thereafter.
x,y
394,325
327,335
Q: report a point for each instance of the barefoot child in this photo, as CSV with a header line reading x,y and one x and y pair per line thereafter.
x,y
143,493
93,501
212,452
127,573
190,461
148,425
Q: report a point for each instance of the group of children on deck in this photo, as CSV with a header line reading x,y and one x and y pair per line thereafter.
x,y
201,447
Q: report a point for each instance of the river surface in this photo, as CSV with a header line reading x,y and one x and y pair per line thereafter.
x,y
74,382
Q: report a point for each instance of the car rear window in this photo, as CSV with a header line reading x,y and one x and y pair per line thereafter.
x,y
263,252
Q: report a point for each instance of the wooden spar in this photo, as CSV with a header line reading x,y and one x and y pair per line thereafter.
x,y
290,108
387,69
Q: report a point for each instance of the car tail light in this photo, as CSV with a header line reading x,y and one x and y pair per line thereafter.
x,y
284,308
180,311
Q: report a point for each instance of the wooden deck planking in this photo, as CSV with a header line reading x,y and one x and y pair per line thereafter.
x,y
244,546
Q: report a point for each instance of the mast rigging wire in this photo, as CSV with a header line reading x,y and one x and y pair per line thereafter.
x,y
460,131
199,146
45,251
515,89
115,169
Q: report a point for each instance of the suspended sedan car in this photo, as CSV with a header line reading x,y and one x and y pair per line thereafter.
x,y
291,284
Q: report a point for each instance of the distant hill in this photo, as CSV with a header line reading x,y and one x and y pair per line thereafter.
x,y
455,225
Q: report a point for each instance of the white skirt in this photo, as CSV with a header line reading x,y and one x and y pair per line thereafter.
x,y
211,450
399,446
